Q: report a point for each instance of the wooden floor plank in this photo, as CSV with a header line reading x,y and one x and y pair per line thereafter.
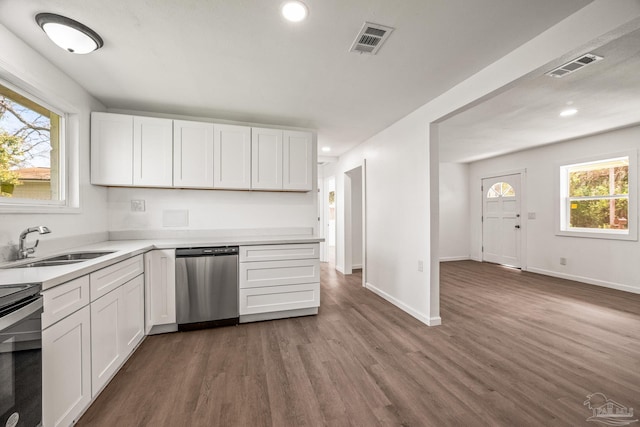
x,y
515,348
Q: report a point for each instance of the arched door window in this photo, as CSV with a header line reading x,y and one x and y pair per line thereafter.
x,y
500,189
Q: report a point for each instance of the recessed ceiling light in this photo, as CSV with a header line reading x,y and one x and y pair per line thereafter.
x,y
70,35
568,112
294,11
326,149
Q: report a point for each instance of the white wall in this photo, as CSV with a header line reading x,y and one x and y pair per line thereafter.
x,y
454,211
402,162
612,263
23,67
212,209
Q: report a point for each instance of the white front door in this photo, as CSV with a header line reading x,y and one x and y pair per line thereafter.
x,y
501,232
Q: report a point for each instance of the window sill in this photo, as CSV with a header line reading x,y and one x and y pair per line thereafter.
x,y
30,209
597,234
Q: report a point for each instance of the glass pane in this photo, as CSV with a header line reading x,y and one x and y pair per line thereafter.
x,y
29,148
598,182
507,190
621,180
599,214
500,189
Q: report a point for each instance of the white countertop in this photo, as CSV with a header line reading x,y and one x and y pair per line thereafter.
x,y
123,249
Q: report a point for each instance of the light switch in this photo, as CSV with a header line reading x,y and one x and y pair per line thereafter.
x,y
531,215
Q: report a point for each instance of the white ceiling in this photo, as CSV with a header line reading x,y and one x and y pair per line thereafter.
x,y
239,60
606,95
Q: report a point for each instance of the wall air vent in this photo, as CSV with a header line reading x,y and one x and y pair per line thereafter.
x,y
574,65
370,38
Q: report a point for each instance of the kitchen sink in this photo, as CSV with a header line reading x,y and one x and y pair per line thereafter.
x,y
70,258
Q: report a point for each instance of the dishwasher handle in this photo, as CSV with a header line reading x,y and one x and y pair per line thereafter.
x,y
200,252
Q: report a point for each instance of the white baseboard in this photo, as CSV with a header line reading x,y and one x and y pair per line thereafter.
x,y
340,269
356,267
429,321
587,280
454,258
475,258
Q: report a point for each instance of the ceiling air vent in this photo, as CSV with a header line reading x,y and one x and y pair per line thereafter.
x,y
574,65
370,38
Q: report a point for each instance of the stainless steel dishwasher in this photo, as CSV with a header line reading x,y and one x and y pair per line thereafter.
x,y
206,287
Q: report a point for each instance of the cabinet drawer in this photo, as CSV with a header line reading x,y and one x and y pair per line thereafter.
x,y
278,273
279,298
61,301
279,252
105,280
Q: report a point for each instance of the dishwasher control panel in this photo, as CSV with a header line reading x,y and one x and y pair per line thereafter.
x,y
221,250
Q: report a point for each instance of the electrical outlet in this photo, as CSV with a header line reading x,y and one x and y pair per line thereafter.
x,y
563,261
137,206
531,215
420,265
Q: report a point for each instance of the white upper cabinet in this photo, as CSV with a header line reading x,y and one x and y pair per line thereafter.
x,y
152,152
297,165
266,159
111,149
232,157
192,154
135,151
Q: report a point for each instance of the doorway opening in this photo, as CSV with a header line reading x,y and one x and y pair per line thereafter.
x,y
354,221
329,203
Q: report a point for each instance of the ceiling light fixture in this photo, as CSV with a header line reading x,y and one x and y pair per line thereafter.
x,y
326,149
294,11
568,112
70,35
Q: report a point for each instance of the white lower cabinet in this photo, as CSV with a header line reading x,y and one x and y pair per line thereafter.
x,y
160,287
117,326
132,314
91,326
106,339
66,369
279,281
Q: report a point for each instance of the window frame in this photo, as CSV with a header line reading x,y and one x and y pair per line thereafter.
x,y
563,199
68,201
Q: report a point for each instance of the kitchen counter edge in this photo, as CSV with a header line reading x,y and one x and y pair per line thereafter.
x,y
50,277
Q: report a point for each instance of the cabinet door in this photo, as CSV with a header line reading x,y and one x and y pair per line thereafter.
x,y
266,159
111,149
298,166
152,152
232,157
192,154
132,314
66,369
106,348
160,285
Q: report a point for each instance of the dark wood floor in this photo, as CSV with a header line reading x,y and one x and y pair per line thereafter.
x,y
515,349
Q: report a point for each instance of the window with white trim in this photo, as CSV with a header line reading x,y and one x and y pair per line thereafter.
x,y
597,198
32,143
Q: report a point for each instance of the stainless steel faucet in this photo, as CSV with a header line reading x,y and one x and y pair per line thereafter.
x,y
24,252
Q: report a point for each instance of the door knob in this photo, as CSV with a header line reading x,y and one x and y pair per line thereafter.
x,y
517,226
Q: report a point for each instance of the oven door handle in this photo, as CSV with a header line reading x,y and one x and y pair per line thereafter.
x,y
22,313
